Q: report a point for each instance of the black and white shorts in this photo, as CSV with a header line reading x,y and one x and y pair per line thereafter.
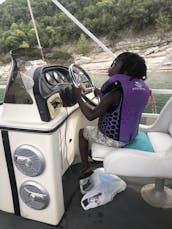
x,y
92,134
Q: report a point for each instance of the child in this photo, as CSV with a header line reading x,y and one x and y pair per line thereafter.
x,y
122,100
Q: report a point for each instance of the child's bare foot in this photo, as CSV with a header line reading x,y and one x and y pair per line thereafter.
x,y
85,172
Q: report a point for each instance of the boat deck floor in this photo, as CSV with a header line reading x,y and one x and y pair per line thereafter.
x,y
126,211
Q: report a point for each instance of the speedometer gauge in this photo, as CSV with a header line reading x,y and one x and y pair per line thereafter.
x,y
56,77
61,76
48,77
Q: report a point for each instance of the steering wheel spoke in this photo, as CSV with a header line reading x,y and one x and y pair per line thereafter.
x,y
79,77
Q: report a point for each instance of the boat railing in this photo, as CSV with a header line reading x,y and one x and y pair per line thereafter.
x,y
149,118
145,116
162,91
3,86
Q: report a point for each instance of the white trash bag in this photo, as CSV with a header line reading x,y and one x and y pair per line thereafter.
x,y
103,187
86,184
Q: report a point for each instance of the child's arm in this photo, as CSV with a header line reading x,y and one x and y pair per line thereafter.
x,y
109,100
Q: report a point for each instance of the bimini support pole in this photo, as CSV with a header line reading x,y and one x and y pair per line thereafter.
x,y
155,69
81,26
34,25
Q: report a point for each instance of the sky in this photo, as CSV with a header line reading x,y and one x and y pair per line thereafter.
x,y
1,1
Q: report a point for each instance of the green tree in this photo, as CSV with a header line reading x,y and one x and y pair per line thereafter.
x,y
31,37
49,30
163,23
108,18
12,43
24,44
83,46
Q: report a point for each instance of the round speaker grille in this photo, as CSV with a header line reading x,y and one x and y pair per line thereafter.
x,y
29,160
34,195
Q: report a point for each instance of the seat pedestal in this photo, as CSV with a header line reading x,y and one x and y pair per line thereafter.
x,y
157,195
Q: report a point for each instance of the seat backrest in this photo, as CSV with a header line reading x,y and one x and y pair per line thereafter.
x,y
170,129
164,120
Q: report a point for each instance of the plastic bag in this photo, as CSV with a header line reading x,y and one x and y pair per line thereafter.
x,y
103,188
86,184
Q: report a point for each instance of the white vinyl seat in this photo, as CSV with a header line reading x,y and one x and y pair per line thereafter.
x,y
139,163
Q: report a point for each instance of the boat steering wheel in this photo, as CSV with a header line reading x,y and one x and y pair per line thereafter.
x,y
79,77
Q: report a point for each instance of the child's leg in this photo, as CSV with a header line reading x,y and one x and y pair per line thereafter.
x,y
86,171
84,152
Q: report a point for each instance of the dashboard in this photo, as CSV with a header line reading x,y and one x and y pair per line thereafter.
x,y
56,79
48,82
53,79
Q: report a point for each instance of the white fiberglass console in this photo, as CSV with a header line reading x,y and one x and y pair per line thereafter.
x,y
39,122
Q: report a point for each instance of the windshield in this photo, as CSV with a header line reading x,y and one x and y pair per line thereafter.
x,y
25,59
24,63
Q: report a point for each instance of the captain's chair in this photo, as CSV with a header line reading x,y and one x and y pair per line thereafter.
x,y
139,163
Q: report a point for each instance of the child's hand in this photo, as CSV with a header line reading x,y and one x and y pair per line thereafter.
x,y
96,91
77,92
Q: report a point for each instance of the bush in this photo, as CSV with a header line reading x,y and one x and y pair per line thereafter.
x,y
58,57
83,46
5,58
24,44
163,24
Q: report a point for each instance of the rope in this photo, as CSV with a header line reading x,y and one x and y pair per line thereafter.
x,y
36,32
153,102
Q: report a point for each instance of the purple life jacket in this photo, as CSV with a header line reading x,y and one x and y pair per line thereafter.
x,y
122,122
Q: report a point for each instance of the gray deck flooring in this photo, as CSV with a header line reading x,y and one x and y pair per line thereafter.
x,y
126,211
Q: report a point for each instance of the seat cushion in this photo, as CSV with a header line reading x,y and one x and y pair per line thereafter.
x,y
141,142
98,151
161,142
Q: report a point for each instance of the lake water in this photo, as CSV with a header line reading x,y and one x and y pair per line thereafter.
x,y
160,80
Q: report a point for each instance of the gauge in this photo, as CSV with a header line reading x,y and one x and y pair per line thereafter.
x,y
49,78
61,76
56,76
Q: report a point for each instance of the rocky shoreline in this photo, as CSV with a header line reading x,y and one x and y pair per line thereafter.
x,y
4,72
157,58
